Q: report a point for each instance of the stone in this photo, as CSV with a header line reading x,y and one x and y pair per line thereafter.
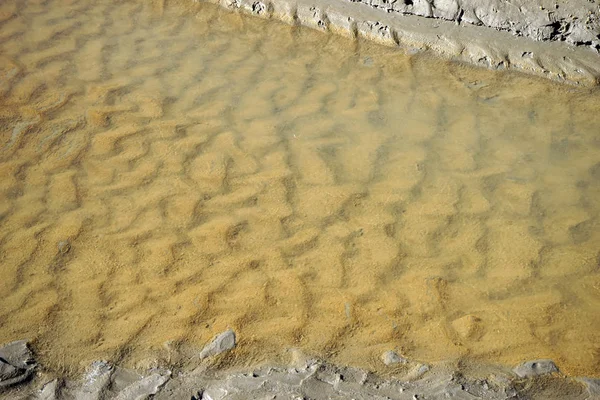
x,y
64,247
221,343
145,387
96,380
391,357
49,391
16,363
535,368
593,386
214,393
417,372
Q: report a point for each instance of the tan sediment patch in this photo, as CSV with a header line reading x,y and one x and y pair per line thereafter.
x,y
210,170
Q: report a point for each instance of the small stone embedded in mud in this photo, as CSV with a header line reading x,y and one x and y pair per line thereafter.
x,y
97,377
221,343
391,357
64,246
145,387
417,372
49,391
535,368
16,363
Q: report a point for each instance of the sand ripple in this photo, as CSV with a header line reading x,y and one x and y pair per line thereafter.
x,y
209,170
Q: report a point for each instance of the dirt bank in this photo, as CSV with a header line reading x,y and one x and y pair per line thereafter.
x,y
303,378
557,40
575,22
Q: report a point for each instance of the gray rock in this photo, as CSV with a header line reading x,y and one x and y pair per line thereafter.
x,y
95,381
214,393
18,354
16,363
593,386
417,372
535,368
49,391
391,357
147,386
221,343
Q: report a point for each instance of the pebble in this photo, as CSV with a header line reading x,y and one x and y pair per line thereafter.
x,y
391,357
417,372
64,247
144,388
49,391
221,343
535,368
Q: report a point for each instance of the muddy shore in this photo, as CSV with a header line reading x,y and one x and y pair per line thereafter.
x,y
556,40
303,378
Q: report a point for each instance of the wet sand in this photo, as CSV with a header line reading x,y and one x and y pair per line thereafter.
x,y
168,172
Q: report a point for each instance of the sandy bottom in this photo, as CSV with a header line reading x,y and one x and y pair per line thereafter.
x,y
169,172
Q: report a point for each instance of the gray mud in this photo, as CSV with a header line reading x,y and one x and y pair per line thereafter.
x,y
304,378
576,22
553,39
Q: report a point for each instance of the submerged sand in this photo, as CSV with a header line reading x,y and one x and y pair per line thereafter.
x,y
171,172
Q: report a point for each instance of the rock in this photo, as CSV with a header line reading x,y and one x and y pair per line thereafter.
x,y
16,363
417,372
391,357
49,391
221,343
593,386
96,381
145,387
64,247
216,393
535,368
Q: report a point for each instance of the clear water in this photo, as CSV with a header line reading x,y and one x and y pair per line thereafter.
x,y
169,172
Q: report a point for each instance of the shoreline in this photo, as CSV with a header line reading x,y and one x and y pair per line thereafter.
x,y
304,377
472,44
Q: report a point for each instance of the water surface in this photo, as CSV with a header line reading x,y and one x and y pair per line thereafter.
x,y
169,172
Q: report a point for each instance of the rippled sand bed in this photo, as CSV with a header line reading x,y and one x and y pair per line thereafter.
x,y
167,172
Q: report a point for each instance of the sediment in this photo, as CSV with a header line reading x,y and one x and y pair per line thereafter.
x,y
557,40
168,177
303,378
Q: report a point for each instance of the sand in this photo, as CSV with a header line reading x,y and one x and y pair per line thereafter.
x,y
169,172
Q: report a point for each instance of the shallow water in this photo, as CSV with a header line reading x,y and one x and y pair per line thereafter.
x,y
167,173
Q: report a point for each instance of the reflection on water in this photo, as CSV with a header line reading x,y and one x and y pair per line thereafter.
x,y
167,174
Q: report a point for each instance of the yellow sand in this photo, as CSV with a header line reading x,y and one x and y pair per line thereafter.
x,y
167,172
